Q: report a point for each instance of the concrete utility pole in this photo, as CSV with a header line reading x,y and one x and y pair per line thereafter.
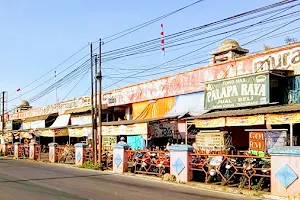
x,y
99,78
92,107
3,103
96,104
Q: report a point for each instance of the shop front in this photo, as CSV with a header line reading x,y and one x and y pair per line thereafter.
x,y
238,104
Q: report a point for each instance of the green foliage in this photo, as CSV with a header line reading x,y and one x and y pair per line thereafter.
x,y
90,165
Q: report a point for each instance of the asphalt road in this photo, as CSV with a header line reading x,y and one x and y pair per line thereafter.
x,y
31,180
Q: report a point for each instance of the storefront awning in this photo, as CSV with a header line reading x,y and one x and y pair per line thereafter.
x,y
61,121
35,122
192,104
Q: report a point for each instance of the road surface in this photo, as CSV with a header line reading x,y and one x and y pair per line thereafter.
x,y
21,179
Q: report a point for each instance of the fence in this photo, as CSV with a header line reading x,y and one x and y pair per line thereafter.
x,y
10,149
149,162
243,171
65,154
23,151
107,157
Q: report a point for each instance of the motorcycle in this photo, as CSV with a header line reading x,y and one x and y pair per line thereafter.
x,y
248,169
162,164
215,166
264,183
136,161
232,166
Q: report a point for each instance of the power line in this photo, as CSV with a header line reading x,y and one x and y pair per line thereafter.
x,y
52,68
194,50
203,26
140,26
157,47
234,17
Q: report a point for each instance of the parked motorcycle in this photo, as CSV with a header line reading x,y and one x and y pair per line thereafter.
x,y
137,157
263,183
215,166
231,167
248,169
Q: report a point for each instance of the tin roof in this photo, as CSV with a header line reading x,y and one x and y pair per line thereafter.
x,y
250,111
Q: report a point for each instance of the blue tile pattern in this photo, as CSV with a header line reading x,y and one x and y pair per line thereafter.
x,y
286,176
179,166
78,156
118,160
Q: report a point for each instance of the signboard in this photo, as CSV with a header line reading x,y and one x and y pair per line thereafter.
x,y
264,140
162,129
80,132
8,125
245,120
108,141
210,123
81,120
257,141
285,118
133,129
239,92
212,140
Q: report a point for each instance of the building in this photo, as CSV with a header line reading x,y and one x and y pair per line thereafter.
x,y
157,109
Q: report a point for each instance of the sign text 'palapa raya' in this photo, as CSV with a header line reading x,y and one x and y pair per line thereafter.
x,y
239,92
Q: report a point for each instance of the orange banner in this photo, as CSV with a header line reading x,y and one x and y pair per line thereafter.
x,y
245,120
286,118
210,123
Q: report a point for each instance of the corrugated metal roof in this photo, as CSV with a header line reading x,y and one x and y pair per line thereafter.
x,y
250,111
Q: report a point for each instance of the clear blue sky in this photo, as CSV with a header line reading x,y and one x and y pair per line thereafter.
x,y
37,35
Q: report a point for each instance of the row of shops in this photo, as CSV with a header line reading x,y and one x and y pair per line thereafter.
x,y
243,93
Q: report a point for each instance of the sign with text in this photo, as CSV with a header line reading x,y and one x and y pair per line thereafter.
x,y
162,129
257,141
239,92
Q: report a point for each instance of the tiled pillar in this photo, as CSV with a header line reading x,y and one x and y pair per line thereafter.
x,y
180,160
16,149
120,158
52,152
285,171
79,153
32,153
3,149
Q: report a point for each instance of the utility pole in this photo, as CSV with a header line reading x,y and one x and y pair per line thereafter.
x,y
3,102
92,107
96,103
99,77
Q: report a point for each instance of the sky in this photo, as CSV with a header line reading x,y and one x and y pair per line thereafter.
x,y
36,36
